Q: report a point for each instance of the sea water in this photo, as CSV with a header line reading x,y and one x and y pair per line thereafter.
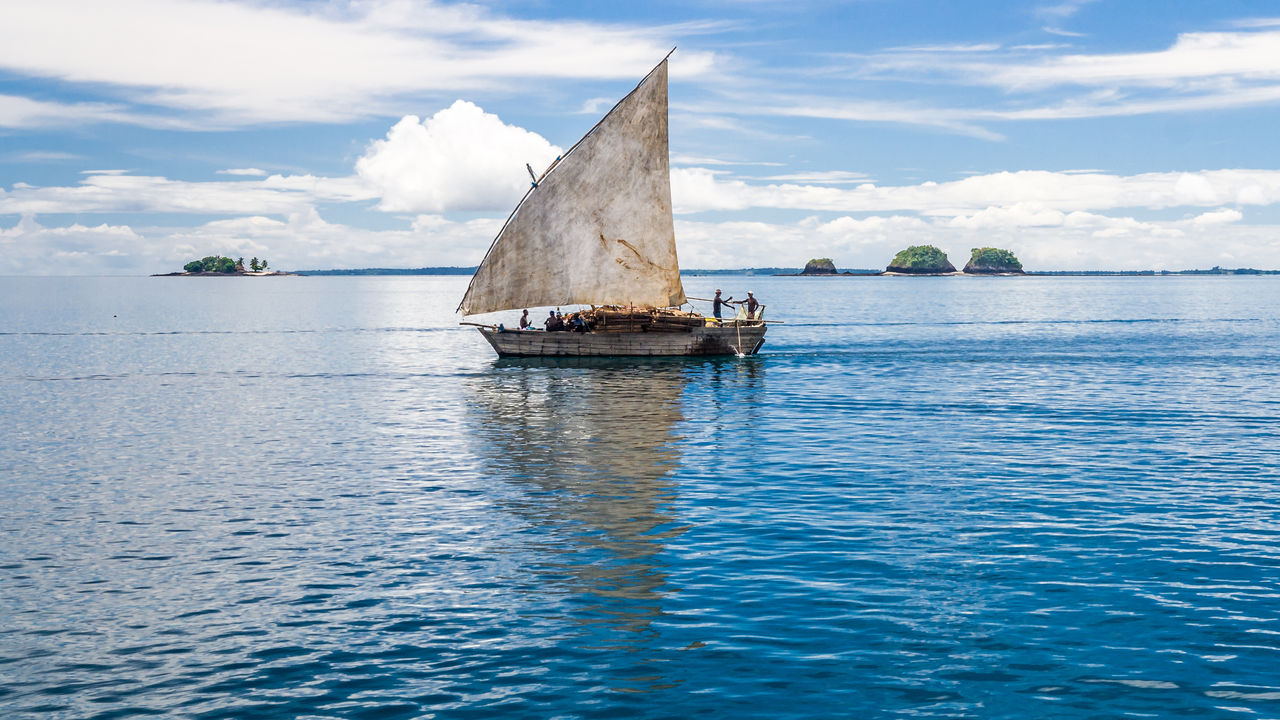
x,y
927,497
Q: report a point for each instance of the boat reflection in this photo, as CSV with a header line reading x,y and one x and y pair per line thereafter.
x,y
591,446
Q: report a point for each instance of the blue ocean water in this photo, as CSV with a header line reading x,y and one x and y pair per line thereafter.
x,y
927,497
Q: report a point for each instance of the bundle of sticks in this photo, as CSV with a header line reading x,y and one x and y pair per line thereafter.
x,y
616,318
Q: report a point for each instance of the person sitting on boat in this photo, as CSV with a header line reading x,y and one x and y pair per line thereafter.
x,y
752,305
553,323
577,323
718,302
524,321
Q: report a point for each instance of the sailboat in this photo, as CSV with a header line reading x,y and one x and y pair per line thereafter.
x,y
595,229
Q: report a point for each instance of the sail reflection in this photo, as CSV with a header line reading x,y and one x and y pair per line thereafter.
x,y
591,445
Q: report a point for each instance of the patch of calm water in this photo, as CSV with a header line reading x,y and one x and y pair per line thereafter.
x,y
952,497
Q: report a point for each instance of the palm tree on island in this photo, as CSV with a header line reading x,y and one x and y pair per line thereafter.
x,y
220,265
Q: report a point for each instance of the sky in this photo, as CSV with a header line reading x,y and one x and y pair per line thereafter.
x,y
137,135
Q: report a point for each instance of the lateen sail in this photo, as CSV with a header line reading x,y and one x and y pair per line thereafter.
x,y
597,229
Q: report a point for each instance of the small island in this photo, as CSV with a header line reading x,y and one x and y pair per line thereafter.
x,y
920,260
221,266
993,261
820,266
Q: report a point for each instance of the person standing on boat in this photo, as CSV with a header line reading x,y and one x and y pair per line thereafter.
x,y
524,321
752,305
717,303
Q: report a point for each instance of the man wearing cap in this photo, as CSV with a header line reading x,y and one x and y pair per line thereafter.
x,y
752,305
717,303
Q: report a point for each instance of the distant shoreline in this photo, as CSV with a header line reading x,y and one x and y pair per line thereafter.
x,y
794,272
453,270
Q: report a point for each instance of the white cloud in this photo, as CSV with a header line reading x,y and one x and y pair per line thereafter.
x,y
982,47
40,156
699,160
1197,72
27,248
596,106
302,240
461,158
959,121
1062,10
1083,241
1233,60
1257,23
114,191
700,189
1239,55
1018,215
21,112
1218,217
232,63
1062,33
305,240
821,177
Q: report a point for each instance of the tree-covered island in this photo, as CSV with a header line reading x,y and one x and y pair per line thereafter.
x,y
993,261
220,265
921,260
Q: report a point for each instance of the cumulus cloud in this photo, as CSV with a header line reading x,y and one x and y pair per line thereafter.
x,y
461,158
998,195
28,248
302,240
1218,217
305,240
1083,241
1017,215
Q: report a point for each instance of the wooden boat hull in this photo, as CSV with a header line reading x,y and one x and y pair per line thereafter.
x,y
725,339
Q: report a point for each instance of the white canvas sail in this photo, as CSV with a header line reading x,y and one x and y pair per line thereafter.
x,y
597,228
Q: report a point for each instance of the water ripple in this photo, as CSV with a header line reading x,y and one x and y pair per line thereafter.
x,y
1052,498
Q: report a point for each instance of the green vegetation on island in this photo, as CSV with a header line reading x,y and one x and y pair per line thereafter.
x,y
820,266
989,261
921,260
222,265
213,264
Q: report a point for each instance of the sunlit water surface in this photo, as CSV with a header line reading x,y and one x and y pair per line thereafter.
x,y
942,497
